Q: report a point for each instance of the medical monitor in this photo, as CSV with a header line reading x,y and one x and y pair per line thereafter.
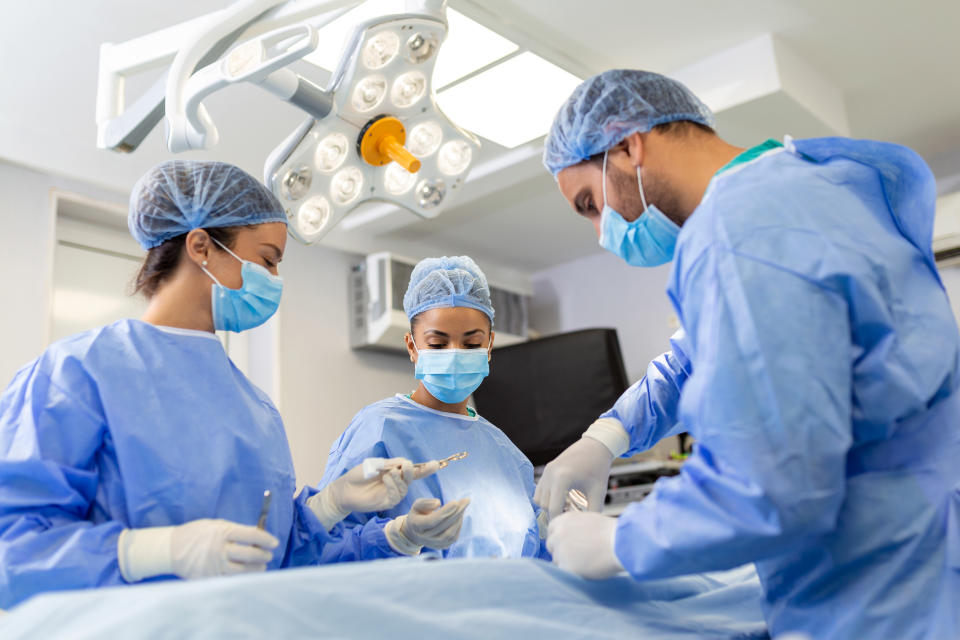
x,y
545,393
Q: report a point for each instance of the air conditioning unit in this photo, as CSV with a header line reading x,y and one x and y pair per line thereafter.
x,y
377,319
946,230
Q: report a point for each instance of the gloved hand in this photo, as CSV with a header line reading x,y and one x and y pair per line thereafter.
x,y
354,492
427,525
197,549
584,465
584,544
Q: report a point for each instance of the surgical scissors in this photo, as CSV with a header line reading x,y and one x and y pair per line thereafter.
x,y
264,510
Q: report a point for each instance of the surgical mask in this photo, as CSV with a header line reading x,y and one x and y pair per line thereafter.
x,y
648,241
451,375
249,306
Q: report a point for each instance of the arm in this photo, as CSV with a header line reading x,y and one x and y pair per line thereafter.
x,y
311,543
770,404
49,438
647,411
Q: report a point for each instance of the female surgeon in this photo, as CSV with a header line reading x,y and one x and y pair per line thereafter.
x,y
450,340
138,450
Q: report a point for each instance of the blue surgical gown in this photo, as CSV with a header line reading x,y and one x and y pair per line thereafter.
x,y
501,520
131,425
819,377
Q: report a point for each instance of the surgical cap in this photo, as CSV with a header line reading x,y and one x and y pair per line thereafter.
x,y
178,196
447,282
610,106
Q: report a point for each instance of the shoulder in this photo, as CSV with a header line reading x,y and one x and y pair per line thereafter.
x,y
501,439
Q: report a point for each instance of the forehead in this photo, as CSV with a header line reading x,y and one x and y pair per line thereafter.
x,y
453,320
574,179
274,233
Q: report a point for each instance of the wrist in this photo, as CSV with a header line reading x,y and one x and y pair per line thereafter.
x,y
145,553
610,433
398,540
324,506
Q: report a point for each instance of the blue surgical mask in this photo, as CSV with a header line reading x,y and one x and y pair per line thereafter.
x,y
648,241
451,375
249,306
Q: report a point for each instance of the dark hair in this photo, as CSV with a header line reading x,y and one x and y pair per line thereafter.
x,y
163,260
677,129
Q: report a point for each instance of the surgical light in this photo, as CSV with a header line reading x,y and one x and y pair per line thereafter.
x,y
369,93
331,152
421,47
346,185
382,136
398,180
313,215
408,89
380,50
454,157
296,183
425,138
430,193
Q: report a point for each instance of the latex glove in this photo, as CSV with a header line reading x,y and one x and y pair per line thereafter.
x,y
584,544
584,465
197,549
427,525
355,491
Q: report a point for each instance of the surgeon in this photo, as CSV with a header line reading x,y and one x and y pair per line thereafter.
x,y
138,450
818,369
450,343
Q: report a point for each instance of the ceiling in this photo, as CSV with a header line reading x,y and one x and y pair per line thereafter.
x,y
894,64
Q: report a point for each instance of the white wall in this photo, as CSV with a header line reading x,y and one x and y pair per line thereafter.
x,y
26,244
323,383
603,291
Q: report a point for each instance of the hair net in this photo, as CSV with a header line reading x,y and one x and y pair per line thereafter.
x,y
610,106
178,196
447,282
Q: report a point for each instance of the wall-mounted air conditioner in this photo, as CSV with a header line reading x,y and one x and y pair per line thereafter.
x,y
946,230
377,320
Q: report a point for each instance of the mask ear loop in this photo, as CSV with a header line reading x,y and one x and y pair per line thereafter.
x,y
605,179
640,186
204,265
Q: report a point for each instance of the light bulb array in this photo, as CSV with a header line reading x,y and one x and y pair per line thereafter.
x,y
325,169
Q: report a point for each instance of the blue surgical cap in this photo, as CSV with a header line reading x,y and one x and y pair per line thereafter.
x,y
447,282
178,196
610,106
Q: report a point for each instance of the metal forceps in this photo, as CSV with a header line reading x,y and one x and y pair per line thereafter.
x,y
445,462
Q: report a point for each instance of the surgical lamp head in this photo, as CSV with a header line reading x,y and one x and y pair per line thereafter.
x,y
384,139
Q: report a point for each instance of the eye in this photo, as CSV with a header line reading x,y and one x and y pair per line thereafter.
x,y
472,346
437,345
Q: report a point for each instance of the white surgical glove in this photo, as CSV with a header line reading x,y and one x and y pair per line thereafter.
x,y
427,525
197,549
354,491
584,544
584,465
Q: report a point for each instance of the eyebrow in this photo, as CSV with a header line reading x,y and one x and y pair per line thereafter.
x,y
276,249
441,334
578,202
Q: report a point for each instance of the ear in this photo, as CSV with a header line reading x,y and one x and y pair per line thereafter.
x,y
198,246
411,351
493,334
634,147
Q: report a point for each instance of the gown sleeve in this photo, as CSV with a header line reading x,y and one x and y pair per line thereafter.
x,y
49,439
769,402
360,536
648,409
